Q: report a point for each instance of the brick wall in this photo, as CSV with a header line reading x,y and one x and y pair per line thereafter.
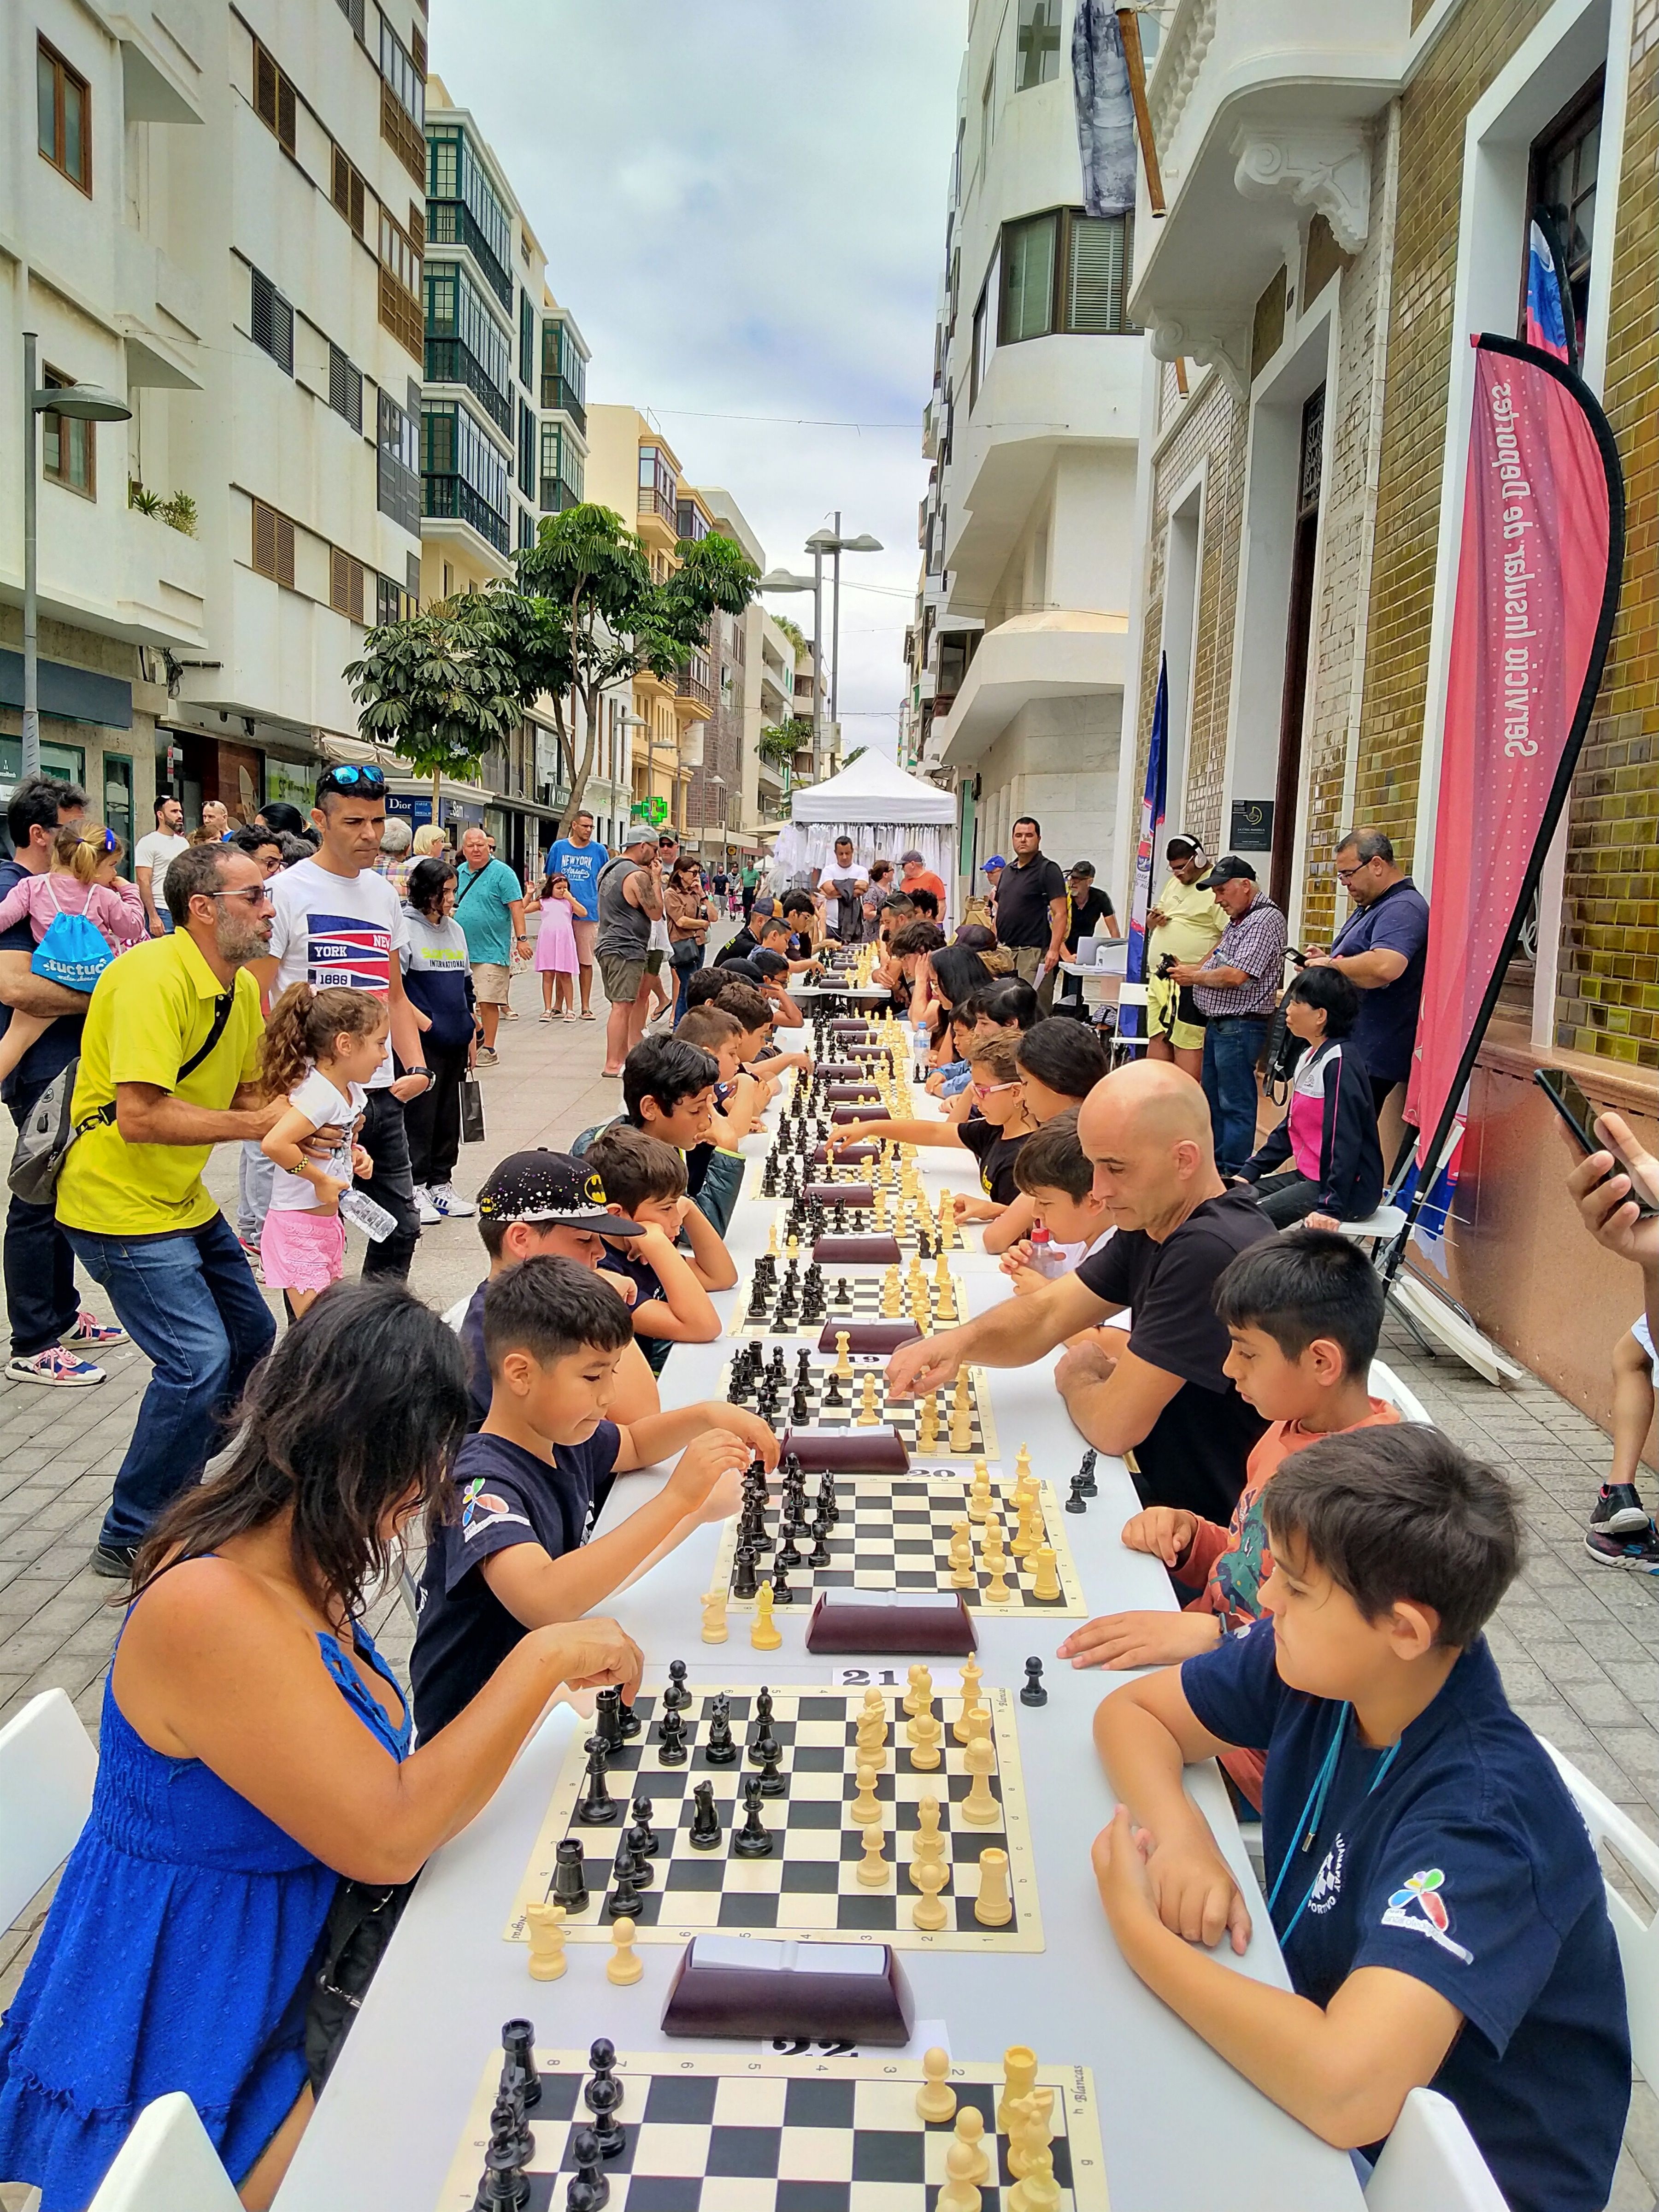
x,y
1479,40
1607,994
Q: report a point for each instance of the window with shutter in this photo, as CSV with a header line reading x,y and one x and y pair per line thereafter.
x,y
417,49
355,590
1095,290
271,323
285,551
417,227
266,78
338,571
342,182
286,114
265,539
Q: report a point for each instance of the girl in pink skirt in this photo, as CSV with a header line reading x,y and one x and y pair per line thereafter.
x,y
555,947
321,1047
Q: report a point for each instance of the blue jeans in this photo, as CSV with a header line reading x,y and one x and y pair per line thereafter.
x,y
41,1299
190,1304
1232,1045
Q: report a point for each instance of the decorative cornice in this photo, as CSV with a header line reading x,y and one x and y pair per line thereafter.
x,y
1324,168
1177,68
1226,351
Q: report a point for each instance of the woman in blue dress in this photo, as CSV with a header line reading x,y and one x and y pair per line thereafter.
x,y
254,1749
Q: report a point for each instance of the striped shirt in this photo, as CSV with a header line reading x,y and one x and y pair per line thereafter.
x,y
1256,943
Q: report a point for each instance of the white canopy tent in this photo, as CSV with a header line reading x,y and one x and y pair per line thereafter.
x,y
882,808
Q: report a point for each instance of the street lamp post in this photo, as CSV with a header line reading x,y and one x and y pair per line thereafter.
x,y
831,542
86,402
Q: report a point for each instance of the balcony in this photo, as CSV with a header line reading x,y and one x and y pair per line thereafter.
x,y
1261,115
164,584
1061,653
693,689
452,222
451,499
656,505
158,309
557,495
162,54
559,396
449,361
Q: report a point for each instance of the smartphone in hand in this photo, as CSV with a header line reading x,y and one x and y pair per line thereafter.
x,y
1577,1111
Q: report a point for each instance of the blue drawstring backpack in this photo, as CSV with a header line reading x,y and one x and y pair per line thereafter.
x,y
74,951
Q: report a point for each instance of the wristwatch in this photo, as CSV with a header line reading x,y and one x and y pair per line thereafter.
x,y
426,1072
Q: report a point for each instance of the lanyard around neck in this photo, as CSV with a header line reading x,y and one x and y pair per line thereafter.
x,y
1307,1826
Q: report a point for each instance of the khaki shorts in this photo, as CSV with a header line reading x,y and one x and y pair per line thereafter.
x,y
1163,997
490,982
622,978
586,932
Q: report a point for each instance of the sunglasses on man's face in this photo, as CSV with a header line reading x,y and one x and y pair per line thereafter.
x,y
354,779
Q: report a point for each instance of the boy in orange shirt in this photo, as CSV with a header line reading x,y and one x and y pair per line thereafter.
x,y
1304,1311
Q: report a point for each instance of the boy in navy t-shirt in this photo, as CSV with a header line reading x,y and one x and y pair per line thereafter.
x,y
513,1554
1432,1887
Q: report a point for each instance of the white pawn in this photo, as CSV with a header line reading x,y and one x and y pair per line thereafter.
x,y
959,2194
624,1965
970,2130
936,2100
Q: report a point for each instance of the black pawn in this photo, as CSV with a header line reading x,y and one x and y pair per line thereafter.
x,y
786,1556
624,1901
590,2173
519,2044
597,1806
1078,1501
602,2096
769,1781
505,2186
675,1697
843,1296
632,1866
582,2195
706,1831
832,1391
819,1554
642,1835
1033,1693
799,1405
569,1880
781,1593
671,1746
753,1841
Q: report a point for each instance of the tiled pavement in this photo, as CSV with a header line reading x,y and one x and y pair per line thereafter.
x,y
1579,1645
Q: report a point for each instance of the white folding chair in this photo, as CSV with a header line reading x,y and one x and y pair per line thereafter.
x,y
1385,1383
1637,1933
167,2164
1429,2164
1379,1228
47,1768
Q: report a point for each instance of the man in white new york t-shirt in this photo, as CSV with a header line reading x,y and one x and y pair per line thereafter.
x,y
338,921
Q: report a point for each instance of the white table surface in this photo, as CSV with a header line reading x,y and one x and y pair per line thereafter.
x,y
1182,2131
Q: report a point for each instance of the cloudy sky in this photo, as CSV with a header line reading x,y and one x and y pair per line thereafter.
x,y
743,204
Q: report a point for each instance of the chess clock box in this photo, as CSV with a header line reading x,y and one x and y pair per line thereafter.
x,y
911,1624
727,1986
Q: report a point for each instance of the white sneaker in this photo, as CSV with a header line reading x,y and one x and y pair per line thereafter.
x,y
429,1212
450,1203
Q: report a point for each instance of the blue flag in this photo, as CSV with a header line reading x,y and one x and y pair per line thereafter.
x,y
1129,1022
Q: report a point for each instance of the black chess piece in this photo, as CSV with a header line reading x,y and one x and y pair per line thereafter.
x,y
505,2186
671,1740
602,2096
706,1831
597,1806
624,1901
785,1555
819,1554
799,1405
1091,1487
607,1716
843,1296
718,1749
643,1836
569,1881
1078,1501
630,1867
506,2116
1033,1693
675,1697
590,2173
628,1721
582,2195
781,1593
743,1585
772,1783
832,1391
518,2045
828,1509
752,1840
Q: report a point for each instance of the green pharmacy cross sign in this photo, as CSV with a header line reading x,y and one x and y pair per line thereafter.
x,y
654,810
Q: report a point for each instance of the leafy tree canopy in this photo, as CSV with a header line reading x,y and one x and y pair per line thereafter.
x,y
440,688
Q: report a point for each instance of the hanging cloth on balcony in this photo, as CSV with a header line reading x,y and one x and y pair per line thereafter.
x,y
1105,110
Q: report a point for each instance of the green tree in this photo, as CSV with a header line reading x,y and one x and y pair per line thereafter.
x,y
440,688
588,570
780,743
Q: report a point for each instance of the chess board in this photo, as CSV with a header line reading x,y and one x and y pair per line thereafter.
x,y
903,1414
895,1532
863,1302
809,1887
722,2132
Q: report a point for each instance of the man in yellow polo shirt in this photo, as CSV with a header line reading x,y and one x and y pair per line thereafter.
x,y
1185,924
169,1068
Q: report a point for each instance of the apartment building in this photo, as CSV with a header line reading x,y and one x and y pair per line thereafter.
x,y
719,821
634,470
1022,637
1349,194
219,220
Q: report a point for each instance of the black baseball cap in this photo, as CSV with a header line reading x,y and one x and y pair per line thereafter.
x,y
549,1188
1230,868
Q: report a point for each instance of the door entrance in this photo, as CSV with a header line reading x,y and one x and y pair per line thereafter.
x,y
1298,637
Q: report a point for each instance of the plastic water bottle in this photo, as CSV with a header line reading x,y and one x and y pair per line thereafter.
x,y
1045,1259
376,1224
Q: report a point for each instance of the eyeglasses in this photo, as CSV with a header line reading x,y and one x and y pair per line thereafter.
x,y
256,896
370,778
989,1090
1347,875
